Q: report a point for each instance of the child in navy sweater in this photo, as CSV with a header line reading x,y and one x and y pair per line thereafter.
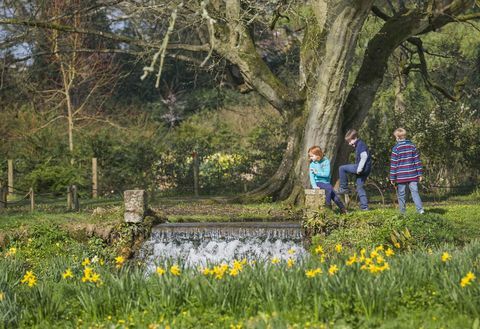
x,y
319,171
361,168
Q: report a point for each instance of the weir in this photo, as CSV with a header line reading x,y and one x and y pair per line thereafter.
x,y
199,244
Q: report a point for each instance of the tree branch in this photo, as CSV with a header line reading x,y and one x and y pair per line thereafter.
x,y
71,29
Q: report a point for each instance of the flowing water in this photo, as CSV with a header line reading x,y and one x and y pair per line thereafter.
x,y
199,244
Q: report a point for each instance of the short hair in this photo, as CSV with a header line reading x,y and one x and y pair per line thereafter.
x,y
316,150
351,134
400,133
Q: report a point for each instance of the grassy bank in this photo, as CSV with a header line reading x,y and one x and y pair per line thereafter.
x,y
412,273
373,288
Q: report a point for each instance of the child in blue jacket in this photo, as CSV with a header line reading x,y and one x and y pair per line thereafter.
x,y
319,171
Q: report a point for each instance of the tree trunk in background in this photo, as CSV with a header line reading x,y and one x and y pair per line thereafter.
x,y
401,81
327,49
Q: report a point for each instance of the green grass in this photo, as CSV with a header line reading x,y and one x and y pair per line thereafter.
x,y
419,289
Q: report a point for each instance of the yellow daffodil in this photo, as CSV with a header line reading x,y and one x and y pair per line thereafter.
x,y
333,269
86,262
319,250
396,245
467,279
233,272
379,248
291,251
119,261
67,274
313,273
160,271
11,252
290,263
207,271
338,248
29,278
352,260
2,296
446,257
389,252
275,260
175,270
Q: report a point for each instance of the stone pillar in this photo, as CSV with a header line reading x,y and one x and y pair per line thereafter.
x,y
314,199
135,205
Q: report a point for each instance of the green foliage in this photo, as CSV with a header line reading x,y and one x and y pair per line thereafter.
x,y
54,178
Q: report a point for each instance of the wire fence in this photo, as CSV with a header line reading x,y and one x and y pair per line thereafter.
x,y
16,199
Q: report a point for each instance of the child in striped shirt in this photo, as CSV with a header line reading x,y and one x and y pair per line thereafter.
x,y
406,169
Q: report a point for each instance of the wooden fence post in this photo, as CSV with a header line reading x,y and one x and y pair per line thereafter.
x,y
3,196
94,178
32,200
10,176
69,197
76,202
196,169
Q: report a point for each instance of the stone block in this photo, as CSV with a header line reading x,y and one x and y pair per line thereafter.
x,y
314,199
135,205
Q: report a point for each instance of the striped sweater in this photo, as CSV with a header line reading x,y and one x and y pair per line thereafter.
x,y
405,164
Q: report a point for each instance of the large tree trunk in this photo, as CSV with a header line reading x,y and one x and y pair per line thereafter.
x,y
327,50
327,84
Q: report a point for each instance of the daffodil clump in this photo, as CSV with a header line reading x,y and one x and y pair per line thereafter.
x,y
219,271
467,279
29,279
374,262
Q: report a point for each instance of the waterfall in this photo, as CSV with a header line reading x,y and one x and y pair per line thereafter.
x,y
199,244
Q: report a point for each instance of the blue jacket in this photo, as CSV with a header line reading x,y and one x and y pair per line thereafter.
x,y
319,172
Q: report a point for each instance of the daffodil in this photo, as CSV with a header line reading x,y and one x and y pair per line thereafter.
x,y
67,274
11,252
338,248
352,260
319,250
396,245
333,269
29,278
175,270
467,279
312,273
2,296
291,251
446,257
119,261
160,271
275,260
389,252
86,262
290,263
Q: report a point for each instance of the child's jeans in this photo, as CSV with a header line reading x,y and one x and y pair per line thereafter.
x,y
360,181
330,194
401,194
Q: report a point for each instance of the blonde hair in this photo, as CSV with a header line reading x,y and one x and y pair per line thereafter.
x,y
351,134
316,150
400,133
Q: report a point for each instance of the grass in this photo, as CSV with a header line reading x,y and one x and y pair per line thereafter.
x,y
418,289
264,295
